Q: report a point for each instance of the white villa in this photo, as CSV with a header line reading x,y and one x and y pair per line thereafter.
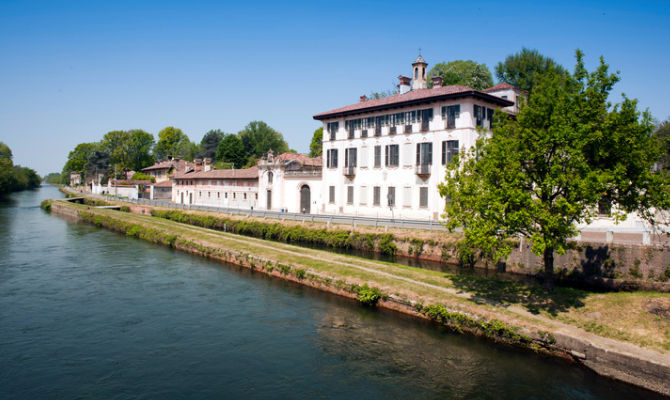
x,y
385,157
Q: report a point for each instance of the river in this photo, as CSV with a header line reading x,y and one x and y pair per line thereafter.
x,y
88,313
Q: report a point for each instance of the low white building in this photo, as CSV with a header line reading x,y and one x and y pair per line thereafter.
x,y
229,188
385,157
290,182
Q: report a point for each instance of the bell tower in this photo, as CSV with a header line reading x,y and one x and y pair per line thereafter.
x,y
419,73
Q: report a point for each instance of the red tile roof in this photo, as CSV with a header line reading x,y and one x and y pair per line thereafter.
x,y
246,173
412,97
163,184
177,163
500,86
303,159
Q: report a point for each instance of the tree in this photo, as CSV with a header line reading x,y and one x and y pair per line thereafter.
x,y
173,142
662,133
140,146
77,159
6,169
462,72
316,147
232,151
117,145
210,143
522,69
542,173
257,138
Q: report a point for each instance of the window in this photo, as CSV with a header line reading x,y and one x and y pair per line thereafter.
x,y
256,196
390,196
449,151
270,176
392,155
332,128
378,156
364,157
376,195
424,153
407,196
479,114
350,195
489,116
450,114
218,195
225,195
350,157
331,158
423,197
245,196
209,195
363,199
331,194
604,207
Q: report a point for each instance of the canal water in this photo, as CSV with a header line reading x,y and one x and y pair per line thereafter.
x,y
87,313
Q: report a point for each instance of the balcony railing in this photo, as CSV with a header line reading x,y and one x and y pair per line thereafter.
x,y
351,133
423,169
408,128
349,170
378,131
364,133
302,174
392,130
425,125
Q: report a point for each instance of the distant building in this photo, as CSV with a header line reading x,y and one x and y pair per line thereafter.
x,y
75,178
289,182
229,188
164,169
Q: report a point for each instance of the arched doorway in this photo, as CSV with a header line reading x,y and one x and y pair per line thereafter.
x,y
305,201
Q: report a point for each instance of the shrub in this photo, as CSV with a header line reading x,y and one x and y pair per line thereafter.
x,y
300,273
367,295
386,245
46,205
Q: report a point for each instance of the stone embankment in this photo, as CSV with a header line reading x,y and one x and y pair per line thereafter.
x,y
420,293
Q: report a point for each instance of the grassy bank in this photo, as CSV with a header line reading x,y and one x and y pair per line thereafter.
x,y
519,313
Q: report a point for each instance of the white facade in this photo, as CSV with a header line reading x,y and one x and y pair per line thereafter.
x,y
290,183
387,163
217,188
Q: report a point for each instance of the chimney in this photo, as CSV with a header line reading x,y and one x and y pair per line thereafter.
x,y
207,164
198,164
364,98
437,81
404,86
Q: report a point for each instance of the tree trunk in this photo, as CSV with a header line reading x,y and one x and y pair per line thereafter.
x,y
549,268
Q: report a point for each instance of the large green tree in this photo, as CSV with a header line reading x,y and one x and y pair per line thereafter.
x,y
232,151
316,147
210,143
257,138
77,159
462,72
662,133
523,69
140,145
173,142
14,178
540,174
117,145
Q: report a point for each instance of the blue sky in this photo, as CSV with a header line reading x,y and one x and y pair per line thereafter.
x,y
72,71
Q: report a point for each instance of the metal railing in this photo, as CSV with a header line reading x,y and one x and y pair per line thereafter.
x,y
349,170
423,169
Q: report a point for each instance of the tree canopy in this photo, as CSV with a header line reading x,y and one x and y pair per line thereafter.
x,y
173,142
140,145
117,145
258,137
462,72
14,178
232,151
542,173
662,133
209,144
316,147
523,69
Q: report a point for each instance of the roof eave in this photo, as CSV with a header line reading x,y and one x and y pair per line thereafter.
x,y
470,93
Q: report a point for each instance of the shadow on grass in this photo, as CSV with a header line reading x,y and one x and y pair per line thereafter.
x,y
532,297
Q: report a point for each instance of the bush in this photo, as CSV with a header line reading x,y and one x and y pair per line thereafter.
x,y
386,245
46,205
367,295
140,176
